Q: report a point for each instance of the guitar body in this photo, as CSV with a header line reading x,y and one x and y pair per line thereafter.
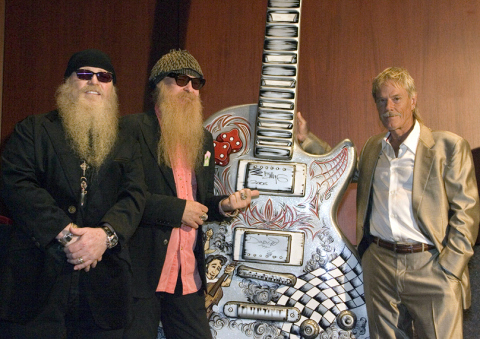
x,y
297,276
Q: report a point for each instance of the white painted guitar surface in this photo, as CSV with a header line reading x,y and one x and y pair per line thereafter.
x,y
296,276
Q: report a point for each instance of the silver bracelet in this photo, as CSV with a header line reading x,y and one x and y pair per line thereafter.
x,y
232,214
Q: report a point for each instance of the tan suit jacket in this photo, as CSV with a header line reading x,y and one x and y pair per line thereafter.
x,y
445,198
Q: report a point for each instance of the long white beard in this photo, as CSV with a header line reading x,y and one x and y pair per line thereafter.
x,y
91,128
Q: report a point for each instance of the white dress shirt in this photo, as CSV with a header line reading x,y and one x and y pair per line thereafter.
x,y
392,214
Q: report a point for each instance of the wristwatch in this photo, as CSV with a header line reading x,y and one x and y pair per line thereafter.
x,y
112,238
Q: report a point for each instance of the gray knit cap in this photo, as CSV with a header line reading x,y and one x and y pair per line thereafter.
x,y
180,62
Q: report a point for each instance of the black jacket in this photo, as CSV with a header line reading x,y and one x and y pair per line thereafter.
x,y
40,186
163,210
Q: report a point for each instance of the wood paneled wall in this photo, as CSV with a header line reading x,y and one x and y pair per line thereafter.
x,y
41,35
344,45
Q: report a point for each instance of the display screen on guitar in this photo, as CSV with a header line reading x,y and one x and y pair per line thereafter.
x,y
272,177
266,246
273,247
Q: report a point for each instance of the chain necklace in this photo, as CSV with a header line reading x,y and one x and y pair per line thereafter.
x,y
83,183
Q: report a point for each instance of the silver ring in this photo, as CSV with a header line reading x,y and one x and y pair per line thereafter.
x,y
80,260
243,196
204,217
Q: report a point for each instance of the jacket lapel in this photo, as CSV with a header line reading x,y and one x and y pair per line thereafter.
x,y
200,177
422,169
151,134
368,170
70,163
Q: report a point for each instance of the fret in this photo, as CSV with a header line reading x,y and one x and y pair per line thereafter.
x,y
290,17
284,3
274,134
276,124
281,45
277,94
274,115
280,143
282,31
277,97
286,71
267,152
276,104
280,58
277,83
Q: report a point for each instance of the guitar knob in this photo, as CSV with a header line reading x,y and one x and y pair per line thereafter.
x,y
309,329
346,320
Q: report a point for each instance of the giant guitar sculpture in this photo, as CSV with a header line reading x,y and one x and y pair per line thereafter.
x,y
296,274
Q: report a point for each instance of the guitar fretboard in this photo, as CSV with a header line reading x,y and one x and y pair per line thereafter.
x,y
277,99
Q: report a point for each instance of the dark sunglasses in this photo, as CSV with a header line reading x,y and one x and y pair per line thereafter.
x,y
84,74
182,80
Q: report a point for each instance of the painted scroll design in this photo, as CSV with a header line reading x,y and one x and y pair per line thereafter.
x,y
323,177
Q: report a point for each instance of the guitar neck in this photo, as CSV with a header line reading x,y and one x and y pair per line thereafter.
x,y
274,136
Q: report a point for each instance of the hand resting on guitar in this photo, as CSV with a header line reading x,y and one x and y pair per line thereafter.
x,y
195,213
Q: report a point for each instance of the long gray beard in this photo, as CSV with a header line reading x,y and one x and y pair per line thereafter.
x,y
91,130
182,129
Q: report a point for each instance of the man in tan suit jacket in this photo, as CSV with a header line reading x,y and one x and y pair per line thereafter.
x,y
417,219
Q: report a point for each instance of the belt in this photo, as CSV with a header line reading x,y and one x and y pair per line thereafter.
x,y
403,248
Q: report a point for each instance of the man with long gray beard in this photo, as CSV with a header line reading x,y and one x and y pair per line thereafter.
x,y
178,160
74,187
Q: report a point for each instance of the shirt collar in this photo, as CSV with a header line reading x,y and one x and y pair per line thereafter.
x,y
412,140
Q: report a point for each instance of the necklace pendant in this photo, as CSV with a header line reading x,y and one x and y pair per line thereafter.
x,y
83,183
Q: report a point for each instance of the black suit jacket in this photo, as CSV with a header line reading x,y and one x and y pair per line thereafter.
x,y
163,210
40,186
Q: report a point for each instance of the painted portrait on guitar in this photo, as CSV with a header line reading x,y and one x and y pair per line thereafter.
x,y
213,267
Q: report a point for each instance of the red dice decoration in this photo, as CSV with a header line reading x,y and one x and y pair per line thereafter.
x,y
222,150
226,143
233,138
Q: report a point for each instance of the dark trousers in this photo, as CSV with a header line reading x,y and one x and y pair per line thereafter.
x,y
65,315
182,316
